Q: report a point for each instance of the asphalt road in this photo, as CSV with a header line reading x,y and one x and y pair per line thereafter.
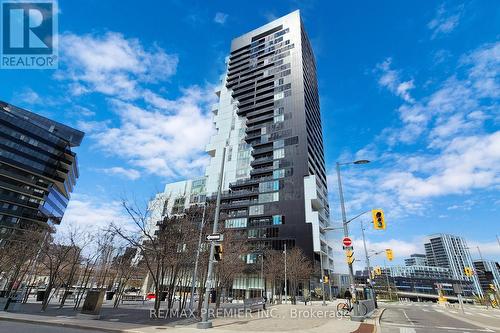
x,y
18,327
423,318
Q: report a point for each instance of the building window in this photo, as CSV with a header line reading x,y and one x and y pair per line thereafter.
x,y
278,96
279,153
251,258
278,173
269,186
278,144
277,219
279,119
279,111
236,223
268,197
256,210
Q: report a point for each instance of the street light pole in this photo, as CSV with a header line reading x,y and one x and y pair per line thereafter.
x,y
344,224
205,323
195,272
286,293
262,275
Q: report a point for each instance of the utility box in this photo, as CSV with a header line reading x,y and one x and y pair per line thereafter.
x,y
92,306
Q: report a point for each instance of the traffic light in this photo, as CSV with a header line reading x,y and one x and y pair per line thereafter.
x,y
218,252
349,256
468,271
389,254
325,279
377,271
378,219
492,287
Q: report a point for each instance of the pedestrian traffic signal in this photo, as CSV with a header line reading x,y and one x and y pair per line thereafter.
x,y
377,271
378,219
468,271
389,254
218,252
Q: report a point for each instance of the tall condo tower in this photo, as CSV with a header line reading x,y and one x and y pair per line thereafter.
x,y
268,120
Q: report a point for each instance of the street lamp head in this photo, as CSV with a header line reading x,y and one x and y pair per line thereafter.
x,y
361,162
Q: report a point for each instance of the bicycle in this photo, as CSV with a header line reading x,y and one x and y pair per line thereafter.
x,y
345,309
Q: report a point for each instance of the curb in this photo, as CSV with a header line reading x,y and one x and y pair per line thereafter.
x,y
377,320
66,325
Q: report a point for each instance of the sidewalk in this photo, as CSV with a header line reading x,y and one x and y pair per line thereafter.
x,y
282,318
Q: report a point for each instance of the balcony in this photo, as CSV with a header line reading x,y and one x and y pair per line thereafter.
x,y
238,204
261,160
260,171
262,151
231,215
238,194
248,182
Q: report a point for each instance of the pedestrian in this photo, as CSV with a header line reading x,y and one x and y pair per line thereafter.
x,y
348,296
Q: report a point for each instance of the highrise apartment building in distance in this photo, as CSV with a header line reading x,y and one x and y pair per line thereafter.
x,y
268,131
38,170
451,252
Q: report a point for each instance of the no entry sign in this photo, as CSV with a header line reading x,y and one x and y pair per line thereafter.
x,y
346,241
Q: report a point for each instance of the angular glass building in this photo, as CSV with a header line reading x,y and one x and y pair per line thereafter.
x,y
38,170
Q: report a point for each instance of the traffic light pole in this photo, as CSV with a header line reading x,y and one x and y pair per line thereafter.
x,y
368,265
205,322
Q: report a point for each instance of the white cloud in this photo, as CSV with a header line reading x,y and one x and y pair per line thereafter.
x,y
29,96
89,214
444,144
128,173
220,18
111,64
167,139
489,250
445,21
152,133
467,163
390,79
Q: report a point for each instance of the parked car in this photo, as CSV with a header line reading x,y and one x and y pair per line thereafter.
x,y
150,296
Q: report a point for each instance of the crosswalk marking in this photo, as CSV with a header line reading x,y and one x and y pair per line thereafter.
x,y
407,330
485,315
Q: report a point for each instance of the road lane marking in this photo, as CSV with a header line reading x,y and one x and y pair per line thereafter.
x,y
434,327
408,318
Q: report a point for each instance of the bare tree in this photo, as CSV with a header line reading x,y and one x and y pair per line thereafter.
x,y
274,268
56,258
148,240
124,269
232,263
299,269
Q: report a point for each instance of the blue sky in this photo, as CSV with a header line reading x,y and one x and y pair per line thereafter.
x,y
411,85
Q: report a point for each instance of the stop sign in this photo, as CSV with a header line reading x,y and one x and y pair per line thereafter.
x,y
347,241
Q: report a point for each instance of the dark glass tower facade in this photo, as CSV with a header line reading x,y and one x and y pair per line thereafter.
x,y
271,77
38,170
